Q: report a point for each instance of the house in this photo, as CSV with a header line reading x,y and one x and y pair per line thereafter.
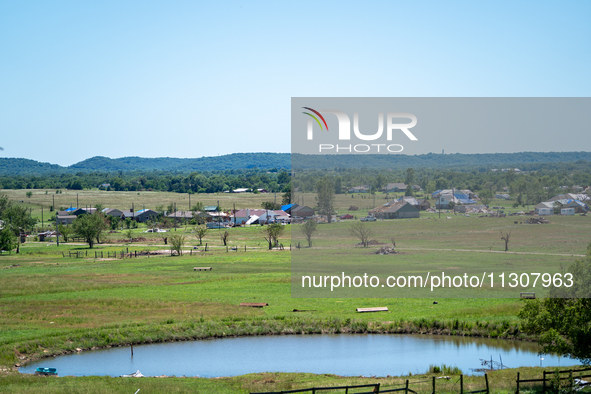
x,y
211,208
252,216
545,208
83,211
465,194
140,216
288,207
444,201
571,196
181,215
302,212
241,190
576,205
395,188
424,205
502,196
417,188
360,189
112,212
66,219
395,210
445,198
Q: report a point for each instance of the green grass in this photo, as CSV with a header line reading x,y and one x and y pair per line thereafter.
x,y
51,304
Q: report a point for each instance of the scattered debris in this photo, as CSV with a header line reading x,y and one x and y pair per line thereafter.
x,y
538,220
375,309
136,374
386,250
254,304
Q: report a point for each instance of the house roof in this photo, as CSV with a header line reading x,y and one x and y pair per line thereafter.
x,y
400,186
300,208
287,207
573,196
391,207
67,216
210,208
180,214
410,199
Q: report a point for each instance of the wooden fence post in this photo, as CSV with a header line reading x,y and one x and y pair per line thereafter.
x,y
517,391
406,387
433,385
544,382
461,384
486,380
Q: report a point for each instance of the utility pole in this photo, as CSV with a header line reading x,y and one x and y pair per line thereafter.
x,y
57,232
175,217
77,206
41,217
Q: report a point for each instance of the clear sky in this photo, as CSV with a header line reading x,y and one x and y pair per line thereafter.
x,y
195,78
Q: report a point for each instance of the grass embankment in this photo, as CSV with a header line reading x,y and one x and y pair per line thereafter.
x,y
500,381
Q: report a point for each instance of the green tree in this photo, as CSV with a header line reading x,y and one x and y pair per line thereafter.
x,y
197,207
89,227
270,205
8,240
486,196
380,182
273,232
325,197
286,197
200,232
563,325
308,229
224,237
65,231
177,242
410,177
29,194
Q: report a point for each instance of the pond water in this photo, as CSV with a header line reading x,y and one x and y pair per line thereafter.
x,y
343,354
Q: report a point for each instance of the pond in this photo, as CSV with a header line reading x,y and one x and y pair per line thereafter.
x,y
342,354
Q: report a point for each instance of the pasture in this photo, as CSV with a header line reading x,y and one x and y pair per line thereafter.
x,y
53,304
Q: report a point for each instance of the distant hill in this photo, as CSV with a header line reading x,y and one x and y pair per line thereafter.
x,y
236,161
11,166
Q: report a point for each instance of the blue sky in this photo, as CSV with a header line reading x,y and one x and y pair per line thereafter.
x,y
191,79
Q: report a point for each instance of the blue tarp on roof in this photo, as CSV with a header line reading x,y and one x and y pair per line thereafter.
x,y
287,207
71,209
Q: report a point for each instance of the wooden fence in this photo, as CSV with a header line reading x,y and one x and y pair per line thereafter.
x,y
376,388
548,375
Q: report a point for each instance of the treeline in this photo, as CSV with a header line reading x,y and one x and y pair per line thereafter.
x,y
298,162
235,161
531,185
273,180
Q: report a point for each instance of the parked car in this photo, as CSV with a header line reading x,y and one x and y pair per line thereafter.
x,y
368,219
346,216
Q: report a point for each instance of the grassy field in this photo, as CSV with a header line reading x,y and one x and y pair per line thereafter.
x,y
53,304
